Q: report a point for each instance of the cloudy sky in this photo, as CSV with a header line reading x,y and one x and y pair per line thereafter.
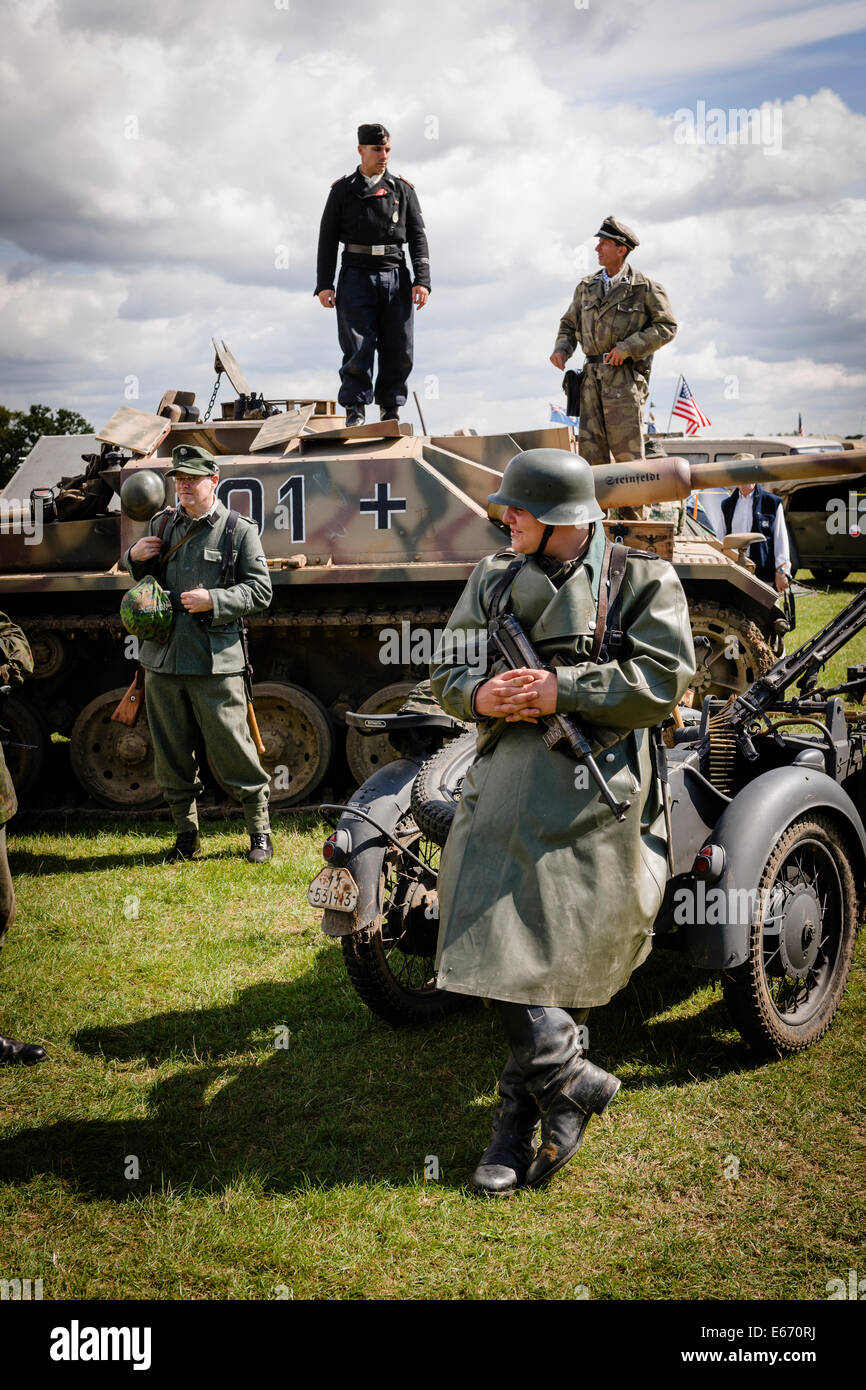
x,y
166,165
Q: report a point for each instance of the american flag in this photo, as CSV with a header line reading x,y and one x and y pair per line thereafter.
x,y
688,409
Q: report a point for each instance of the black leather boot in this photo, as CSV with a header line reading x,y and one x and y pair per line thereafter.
x,y
12,1051
186,846
567,1088
504,1163
260,848
389,412
586,1091
354,416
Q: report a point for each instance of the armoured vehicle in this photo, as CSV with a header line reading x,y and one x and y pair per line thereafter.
x,y
370,535
767,849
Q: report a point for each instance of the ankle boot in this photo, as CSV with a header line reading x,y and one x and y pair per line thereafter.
x,y
586,1091
567,1088
504,1163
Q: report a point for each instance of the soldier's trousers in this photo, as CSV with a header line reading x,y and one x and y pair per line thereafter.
x,y
611,414
374,312
178,707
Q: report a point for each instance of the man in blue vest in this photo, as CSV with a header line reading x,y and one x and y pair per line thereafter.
x,y
750,508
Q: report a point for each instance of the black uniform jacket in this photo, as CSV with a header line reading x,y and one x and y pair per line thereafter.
x,y
384,215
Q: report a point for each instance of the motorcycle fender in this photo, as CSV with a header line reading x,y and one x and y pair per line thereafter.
x,y
386,798
717,937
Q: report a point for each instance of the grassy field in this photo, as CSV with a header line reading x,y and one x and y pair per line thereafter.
x,y
221,1117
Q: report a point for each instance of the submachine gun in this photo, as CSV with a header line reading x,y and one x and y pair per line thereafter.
x,y
728,729
516,649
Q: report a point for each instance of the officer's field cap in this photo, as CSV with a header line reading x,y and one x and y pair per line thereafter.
x,y
372,135
617,231
190,459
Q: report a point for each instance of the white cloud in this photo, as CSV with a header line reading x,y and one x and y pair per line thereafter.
x,y
163,154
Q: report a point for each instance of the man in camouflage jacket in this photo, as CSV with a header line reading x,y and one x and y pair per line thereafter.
x,y
16,663
620,317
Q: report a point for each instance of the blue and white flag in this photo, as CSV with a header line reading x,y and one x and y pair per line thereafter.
x,y
559,417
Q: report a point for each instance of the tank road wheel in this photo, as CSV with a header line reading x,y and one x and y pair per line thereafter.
x,y
365,754
784,997
49,654
391,964
437,788
26,765
298,739
733,655
114,763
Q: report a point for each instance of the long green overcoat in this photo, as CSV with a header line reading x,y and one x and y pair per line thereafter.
x,y
545,897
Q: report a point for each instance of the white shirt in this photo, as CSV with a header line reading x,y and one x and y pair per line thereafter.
x,y
742,521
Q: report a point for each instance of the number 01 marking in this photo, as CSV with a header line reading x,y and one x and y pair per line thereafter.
x,y
291,494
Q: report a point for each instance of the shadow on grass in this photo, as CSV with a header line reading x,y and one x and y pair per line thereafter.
x,y
27,861
297,1084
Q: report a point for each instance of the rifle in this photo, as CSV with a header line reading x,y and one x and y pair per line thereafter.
x,y
248,687
131,705
517,651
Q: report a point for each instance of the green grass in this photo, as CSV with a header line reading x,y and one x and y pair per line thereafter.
x,y
299,1168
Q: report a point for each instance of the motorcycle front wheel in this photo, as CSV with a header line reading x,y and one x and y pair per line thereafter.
x,y
391,963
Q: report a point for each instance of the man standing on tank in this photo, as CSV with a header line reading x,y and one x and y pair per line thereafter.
x,y
620,317
373,213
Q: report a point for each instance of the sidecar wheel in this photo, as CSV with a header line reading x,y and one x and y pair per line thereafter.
x,y
785,996
391,965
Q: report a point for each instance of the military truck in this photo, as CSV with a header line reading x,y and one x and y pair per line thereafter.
x,y
370,534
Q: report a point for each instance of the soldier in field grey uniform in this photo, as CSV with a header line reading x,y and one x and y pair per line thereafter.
x,y
196,680
547,900
620,318
16,662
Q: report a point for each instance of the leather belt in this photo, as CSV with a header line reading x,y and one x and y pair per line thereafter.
x,y
599,357
373,250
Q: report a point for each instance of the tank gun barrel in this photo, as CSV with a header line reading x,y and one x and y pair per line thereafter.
x,y
670,479
778,469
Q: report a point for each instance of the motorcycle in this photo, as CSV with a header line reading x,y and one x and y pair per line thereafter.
x,y
766,814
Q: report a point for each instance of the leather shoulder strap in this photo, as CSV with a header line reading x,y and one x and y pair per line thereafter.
x,y
608,628
230,559
502,591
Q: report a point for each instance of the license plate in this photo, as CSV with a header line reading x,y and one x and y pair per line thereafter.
x,y
334,888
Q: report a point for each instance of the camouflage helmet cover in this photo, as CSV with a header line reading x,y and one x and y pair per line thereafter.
x,y
553,485
145,611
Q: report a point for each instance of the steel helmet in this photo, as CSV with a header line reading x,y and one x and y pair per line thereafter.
x,y
554,485
142,494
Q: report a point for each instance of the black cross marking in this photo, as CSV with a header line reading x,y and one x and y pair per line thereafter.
x,y
383,505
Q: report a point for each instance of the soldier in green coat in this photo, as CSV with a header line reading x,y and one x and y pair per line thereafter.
x,y
16,663
547,900
620,317
195,681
